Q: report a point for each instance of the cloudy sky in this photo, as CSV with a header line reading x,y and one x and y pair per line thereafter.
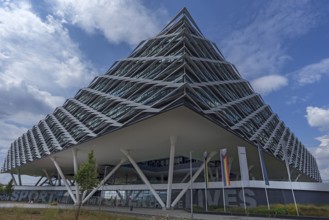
x,y
50,49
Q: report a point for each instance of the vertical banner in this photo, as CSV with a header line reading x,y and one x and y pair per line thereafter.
x,y
262,165
243,166
225,167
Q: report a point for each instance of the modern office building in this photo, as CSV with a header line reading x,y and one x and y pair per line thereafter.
x,y
174,94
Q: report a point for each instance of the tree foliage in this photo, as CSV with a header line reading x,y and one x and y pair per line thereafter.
x,y
87,176
7,189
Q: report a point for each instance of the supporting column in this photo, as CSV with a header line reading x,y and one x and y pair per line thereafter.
x,y
197,173
59,170
60,181
19,177
104,180
217,173
48,177
143,177
75,167
173,140
119,194
210,173
12,176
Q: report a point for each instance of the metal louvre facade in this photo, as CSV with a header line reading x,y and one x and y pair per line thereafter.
x,y
177,67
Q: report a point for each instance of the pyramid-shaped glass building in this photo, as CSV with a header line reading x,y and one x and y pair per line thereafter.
x,y
175,88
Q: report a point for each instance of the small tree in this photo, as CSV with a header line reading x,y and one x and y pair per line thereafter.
x,y
7,189
86,177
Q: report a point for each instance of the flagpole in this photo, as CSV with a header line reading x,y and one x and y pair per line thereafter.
x,y
289,177
223,177
262,168
191,185
205,155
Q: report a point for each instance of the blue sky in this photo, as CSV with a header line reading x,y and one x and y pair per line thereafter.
x,y
50,49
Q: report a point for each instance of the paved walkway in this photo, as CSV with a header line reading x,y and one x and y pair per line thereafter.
x,y
166,214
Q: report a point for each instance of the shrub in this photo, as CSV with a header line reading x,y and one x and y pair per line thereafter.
x,y
279,209
260,210
313,210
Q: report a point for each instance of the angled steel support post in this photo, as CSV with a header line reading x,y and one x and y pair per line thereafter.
x,y
12,176
47,176
59,180
119,194
75,167
19,177
185,177
39,181
173,140
43,182
143,177
59,170
84,195
197,173
104,180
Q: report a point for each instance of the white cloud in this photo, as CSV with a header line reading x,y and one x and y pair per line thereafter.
x,y
318,117
323,150
43,96
23,120
37,57
118,20
266,84
313,72
39,66
258,47
37,52
322,155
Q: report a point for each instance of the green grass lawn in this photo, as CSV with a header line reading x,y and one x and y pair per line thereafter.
x,y
276,210
67,214
59,214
